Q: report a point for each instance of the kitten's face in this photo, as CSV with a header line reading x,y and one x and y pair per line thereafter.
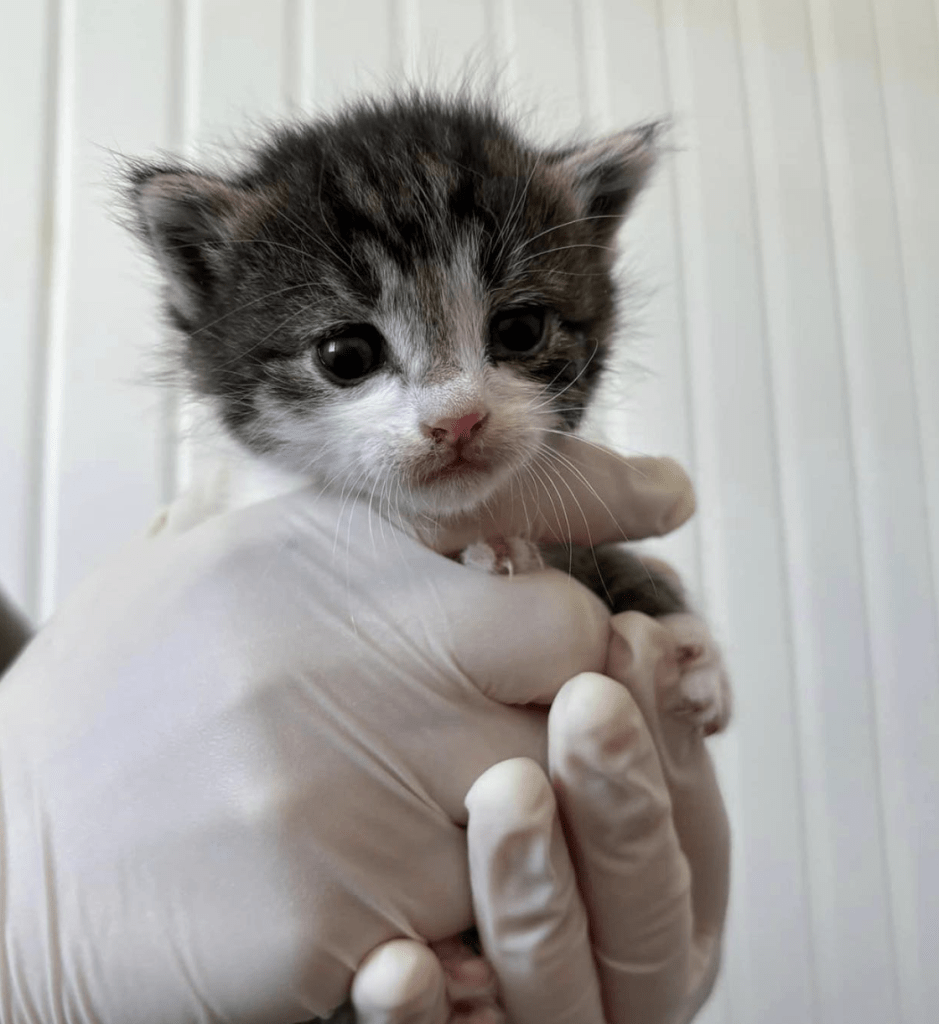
x,y
407,302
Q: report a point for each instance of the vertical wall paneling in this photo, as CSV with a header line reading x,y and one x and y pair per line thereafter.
x,y
242,72
182,88
645,404
702,412
49,381
781,312
591,24
355,49
884,437
108,443
406,30
908,48
28,98
501,17
300,55
855,970
179,449
455,39
549,80
737,455
242,57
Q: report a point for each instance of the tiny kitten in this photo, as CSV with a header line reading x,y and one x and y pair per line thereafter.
x,y
408,298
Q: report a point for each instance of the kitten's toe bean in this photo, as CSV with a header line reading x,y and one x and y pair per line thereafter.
x,y
488,1014
524,554
482,556
507,557
702,694
471,984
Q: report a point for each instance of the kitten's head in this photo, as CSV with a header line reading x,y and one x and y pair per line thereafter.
x,y
407,301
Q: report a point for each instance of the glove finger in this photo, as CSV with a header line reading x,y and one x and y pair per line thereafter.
x,y
582,494
567,630
529,913
643,657
634,876
400,982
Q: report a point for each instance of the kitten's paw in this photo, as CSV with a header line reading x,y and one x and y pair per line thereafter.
x,y
508,557
472,991
702,694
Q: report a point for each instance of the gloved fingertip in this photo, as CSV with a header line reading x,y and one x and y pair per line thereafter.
x,y
595,717
401,981
516,788
686,503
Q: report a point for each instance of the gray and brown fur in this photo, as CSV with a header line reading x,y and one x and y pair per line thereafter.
x,y
300,241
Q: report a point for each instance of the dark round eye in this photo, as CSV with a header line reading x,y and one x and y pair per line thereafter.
x,y
517,333
350,357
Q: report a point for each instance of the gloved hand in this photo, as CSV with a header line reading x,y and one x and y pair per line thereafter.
x,y
236,761
644,822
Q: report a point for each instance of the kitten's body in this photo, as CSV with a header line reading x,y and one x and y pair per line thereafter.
x,y
409,303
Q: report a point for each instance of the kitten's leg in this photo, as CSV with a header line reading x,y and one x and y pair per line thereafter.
x,y
627,582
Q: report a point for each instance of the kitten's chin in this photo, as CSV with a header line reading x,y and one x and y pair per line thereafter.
x,y
454,490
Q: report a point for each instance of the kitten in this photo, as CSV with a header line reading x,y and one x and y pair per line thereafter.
x,y
410,298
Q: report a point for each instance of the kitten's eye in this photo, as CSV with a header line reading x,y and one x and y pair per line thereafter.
x,y
352,356
517,333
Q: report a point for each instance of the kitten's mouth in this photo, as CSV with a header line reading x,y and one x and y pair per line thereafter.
x,y
459,468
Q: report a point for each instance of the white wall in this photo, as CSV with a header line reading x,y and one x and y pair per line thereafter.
x,y
790,254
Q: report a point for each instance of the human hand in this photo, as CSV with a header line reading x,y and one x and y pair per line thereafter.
x,y
600,899
199,752
590,496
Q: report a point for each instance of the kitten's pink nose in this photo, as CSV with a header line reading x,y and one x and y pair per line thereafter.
x,y
453,431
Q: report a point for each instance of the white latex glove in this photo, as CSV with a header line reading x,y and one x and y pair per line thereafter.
x,y
629,851
236,761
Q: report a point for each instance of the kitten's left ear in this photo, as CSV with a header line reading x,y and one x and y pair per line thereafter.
x,y
607,175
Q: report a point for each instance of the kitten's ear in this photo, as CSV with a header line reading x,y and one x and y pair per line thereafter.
x,y
190,221
607,175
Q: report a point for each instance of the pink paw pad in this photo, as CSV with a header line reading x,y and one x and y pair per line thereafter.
x,y
472,990
702,694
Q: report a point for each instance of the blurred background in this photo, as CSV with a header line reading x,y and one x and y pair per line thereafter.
x,y
784,344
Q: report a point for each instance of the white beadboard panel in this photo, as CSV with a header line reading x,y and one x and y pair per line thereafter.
x,y
243,70
744,579
244,65
908,42
358,46
645,406
27,93
300,55
546,64
105,434
455,38
890,485
851,924
781,340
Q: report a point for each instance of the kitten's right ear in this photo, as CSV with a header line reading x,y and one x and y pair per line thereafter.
x,y
190,221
